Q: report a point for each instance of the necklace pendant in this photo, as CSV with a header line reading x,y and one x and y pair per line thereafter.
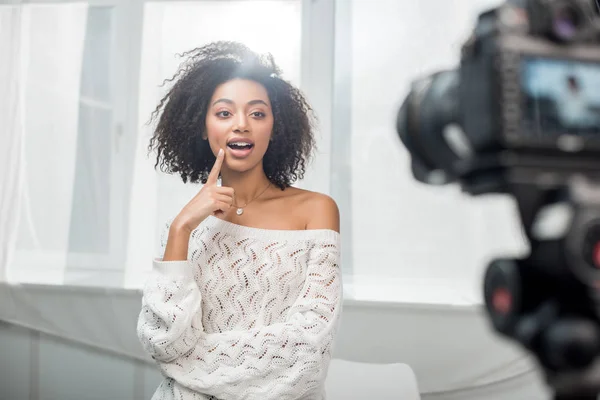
x,y
239,211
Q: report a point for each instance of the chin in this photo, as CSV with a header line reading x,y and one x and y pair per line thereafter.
x,y
241,165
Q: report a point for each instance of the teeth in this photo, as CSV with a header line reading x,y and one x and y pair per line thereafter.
x,y
240,144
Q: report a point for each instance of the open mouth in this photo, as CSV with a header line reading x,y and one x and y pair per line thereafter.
x,y
240,148
240,145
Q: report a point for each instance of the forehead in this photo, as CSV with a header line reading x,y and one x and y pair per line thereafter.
x,y
241,91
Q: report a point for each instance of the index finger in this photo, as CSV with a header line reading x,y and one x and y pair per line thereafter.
x,y
216,169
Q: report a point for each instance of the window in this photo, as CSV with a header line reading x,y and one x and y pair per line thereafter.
x,y
92,73
66,210
92,181
396,229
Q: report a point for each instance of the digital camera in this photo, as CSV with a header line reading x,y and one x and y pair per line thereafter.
x,y
526,93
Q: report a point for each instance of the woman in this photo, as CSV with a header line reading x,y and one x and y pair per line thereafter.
x,y
245,301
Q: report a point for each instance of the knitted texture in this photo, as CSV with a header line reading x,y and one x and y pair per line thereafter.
x,y
251,314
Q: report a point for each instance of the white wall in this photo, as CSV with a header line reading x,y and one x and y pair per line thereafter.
x,y
35,366
91,355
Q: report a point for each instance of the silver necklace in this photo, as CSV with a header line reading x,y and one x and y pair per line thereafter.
x,y
240,210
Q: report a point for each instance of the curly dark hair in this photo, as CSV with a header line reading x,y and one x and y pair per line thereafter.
x,y
177,137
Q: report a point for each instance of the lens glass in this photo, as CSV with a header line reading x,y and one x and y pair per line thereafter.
x,y
565,22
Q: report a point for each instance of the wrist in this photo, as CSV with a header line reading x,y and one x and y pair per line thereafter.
x,y
177,244
180,227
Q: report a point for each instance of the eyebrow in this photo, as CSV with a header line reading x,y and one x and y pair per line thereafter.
x,y
250,103
257,101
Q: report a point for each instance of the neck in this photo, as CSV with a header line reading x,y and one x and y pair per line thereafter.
x,y
247,185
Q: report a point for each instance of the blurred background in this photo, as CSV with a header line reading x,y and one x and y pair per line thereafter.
x,y
81,204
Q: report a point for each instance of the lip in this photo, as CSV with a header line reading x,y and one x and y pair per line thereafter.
x,y
239,153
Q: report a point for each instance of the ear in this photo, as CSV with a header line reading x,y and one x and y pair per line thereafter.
x,y
204,133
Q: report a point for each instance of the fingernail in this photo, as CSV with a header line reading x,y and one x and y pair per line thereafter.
x,y
220,151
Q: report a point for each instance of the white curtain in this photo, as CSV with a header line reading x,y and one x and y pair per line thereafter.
x,y
50,54
11,112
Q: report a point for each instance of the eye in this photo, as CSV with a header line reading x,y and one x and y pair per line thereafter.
x,y
224,114
258,114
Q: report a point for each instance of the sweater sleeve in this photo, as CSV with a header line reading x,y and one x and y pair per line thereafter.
x,y
170,320
285,360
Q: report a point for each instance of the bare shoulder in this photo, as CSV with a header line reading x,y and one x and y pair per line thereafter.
x,y
320,210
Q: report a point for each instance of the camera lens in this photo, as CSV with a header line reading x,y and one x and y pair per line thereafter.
x,y
566,21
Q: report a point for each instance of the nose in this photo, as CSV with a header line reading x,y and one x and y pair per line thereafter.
x,y
241,123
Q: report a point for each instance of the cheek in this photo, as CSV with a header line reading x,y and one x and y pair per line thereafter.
x,y
215,132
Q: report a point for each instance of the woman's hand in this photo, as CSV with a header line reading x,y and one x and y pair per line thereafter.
x,y
210,200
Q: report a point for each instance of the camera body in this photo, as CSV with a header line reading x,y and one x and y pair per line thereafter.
x,y
527,92
505,69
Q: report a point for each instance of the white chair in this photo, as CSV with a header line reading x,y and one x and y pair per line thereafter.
x,y
347,380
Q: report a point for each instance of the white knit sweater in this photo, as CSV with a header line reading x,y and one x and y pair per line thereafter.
x,y
251,314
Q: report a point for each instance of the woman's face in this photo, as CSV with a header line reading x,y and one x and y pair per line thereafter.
x,y
240,121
